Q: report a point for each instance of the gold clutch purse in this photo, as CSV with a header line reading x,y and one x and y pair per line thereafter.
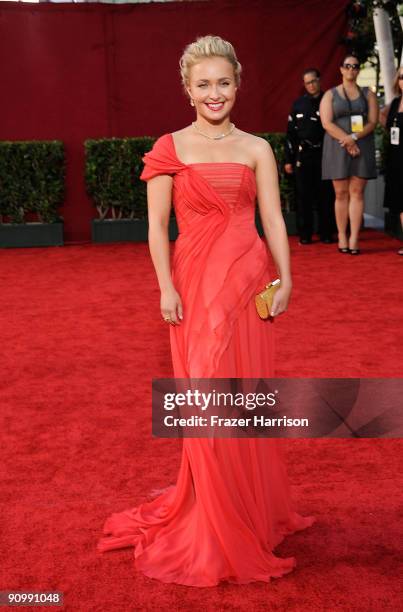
x,y
264,299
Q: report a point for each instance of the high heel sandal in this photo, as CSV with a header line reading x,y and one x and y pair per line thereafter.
x,y
343,249
354,251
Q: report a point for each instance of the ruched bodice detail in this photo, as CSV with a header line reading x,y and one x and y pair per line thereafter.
x,y
234,182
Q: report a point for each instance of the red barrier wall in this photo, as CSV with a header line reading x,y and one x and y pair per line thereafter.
x,y
73,72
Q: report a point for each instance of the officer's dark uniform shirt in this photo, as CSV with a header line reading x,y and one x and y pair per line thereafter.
x,y
304,127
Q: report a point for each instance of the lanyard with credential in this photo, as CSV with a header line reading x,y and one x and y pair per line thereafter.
x,y
357,121
350,108
394,132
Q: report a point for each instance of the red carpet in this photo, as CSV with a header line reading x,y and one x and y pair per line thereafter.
x,y
81,339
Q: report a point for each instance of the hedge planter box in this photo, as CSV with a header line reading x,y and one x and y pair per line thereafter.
x,y
290,218
33,234
126,230
136,230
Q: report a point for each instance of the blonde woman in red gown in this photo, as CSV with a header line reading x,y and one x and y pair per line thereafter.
x,y
231,505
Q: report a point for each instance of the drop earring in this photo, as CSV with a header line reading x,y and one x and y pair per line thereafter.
x,y
191,102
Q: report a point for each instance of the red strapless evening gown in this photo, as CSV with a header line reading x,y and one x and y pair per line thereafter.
x,y
231,505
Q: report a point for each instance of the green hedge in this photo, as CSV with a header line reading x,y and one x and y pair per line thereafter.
x,y
287,191
31,180
113,167
112,170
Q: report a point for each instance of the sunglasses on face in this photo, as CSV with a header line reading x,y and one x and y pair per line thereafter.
x,y
400,77
351,66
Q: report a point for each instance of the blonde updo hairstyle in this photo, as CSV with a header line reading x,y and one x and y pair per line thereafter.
x,y
206,47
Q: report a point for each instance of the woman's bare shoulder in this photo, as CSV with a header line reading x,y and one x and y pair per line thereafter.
x,y
328,95
256,148
252,143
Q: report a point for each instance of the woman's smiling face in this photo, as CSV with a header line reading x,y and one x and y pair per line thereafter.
x,y
212,87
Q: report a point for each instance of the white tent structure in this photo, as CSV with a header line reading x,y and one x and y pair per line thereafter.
x,y
384,42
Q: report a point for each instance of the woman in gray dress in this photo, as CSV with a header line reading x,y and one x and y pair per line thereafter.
x,y
349,115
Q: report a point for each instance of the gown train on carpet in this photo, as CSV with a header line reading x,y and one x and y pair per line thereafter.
x,y
231,504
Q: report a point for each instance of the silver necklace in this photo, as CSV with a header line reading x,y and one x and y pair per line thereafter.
x,y
214,137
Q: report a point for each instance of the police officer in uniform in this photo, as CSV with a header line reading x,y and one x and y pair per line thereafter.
x,y
303,157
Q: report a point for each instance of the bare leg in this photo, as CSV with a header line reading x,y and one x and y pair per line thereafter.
x,y
356,208
341,188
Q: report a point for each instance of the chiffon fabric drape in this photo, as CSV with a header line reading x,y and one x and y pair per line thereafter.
x,y
231,504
